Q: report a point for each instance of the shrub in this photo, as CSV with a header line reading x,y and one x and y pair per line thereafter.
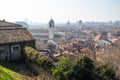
x,y
105,72
64,64
58,74
82,69
63,68
40,59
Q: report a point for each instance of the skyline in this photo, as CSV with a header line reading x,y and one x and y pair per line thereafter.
x,y
60,10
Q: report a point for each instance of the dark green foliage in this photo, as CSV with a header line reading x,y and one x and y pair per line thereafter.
x,y
105,72
63,68
64,64
58,74
83,69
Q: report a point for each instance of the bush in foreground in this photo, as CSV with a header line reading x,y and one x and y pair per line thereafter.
x,y
105,72
38,58
64,66
82,69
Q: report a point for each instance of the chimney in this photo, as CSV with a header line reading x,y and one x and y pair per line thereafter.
x,y
3,20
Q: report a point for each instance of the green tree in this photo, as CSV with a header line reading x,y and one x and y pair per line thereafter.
x,y
63,68
64,64
82,70
105,72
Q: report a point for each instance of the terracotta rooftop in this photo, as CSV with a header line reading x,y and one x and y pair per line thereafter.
x,y
86,50
97,38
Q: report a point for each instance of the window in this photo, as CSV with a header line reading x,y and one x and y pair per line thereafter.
x,y
15,48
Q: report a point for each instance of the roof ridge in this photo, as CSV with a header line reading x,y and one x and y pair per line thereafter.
x,y
4,23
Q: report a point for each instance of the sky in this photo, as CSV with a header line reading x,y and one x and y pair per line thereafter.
x,y
60,10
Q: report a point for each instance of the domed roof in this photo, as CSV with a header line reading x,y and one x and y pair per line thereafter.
x,y
51,21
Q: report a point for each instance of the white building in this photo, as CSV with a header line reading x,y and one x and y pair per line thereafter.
x,y
102,43
51,29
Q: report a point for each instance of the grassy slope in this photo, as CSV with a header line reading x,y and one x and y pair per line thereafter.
x,y
7,74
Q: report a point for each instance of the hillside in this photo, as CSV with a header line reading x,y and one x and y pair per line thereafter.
x,y
7,74
35,67
17,71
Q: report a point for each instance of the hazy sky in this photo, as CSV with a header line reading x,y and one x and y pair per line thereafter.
x,y
60,10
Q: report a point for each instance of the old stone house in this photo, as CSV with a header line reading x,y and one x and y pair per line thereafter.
x,y
13,39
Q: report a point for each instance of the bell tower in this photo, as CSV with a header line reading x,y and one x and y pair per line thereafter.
x,y
80,24
51,29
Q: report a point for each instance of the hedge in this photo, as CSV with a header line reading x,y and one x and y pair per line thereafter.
x,y
38,58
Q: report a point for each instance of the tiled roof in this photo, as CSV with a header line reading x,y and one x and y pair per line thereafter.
x,y
86,50
10,33
97,38
15,35
8,24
